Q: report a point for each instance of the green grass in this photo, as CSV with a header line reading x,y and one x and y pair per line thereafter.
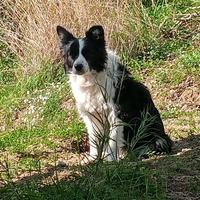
x,y
8,65
19,140
38,119
99,181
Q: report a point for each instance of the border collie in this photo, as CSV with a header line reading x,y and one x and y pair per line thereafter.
x,y
117,110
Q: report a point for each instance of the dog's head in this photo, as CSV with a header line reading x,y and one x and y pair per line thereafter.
x,y
83,55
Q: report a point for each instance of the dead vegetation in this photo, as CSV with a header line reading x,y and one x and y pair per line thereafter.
x,y
29,27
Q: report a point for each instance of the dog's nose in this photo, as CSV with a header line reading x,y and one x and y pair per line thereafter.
x,y
78,67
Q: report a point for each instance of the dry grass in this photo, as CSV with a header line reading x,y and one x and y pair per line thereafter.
x,y
28,26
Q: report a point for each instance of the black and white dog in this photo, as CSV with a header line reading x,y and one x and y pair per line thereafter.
x,y
107,96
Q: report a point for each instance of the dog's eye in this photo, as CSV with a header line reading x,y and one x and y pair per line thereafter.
x,y
74,50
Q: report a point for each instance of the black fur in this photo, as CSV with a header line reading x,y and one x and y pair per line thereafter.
x,y
64,35
132,101
94,49
95,54
134,105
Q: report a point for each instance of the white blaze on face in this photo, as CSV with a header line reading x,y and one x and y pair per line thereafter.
x,y
81,59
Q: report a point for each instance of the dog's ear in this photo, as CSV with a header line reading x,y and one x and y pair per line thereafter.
x,y
95,33
64,35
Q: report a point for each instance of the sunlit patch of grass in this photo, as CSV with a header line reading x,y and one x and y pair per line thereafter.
x,y
189,62
181,124
29,163
19,140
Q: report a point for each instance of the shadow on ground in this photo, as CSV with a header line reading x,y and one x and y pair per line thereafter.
x,y
179,171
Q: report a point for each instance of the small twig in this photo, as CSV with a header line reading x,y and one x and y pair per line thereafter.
x,y
187,17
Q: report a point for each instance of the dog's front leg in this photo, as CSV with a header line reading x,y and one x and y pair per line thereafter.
x,y
93,145
92,139
115,144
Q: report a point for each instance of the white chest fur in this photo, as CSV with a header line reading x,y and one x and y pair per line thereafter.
x,y
92,92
